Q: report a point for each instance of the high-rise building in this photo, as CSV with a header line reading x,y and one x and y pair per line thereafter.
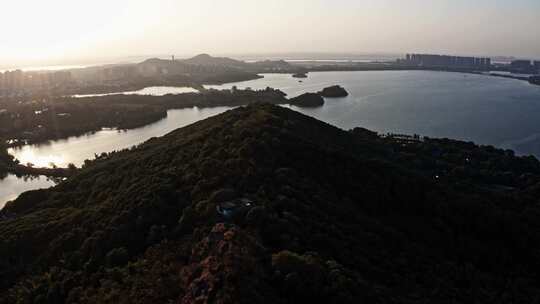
x,y
537,66
521,64
445,61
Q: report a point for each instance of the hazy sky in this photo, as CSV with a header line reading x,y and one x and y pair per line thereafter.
x,y
38,31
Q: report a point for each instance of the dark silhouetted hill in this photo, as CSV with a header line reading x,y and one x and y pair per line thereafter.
x,y
204,62
308,100
207,60
334,92
335,217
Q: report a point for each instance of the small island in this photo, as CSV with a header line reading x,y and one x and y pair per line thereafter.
x,y
300,75
307,100
334,92
310,100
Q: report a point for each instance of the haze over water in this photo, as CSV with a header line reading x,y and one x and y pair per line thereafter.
x,y
68,31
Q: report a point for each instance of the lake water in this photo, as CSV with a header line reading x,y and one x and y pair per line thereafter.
x,y
484,109
11,186
77,149
487,110
154,91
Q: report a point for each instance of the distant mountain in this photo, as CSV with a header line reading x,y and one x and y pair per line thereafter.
x,y
207,60
262,204
201,69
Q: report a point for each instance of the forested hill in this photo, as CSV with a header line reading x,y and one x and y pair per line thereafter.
x,y
322,215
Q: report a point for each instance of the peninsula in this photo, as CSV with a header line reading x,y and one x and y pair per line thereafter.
x,y
264,205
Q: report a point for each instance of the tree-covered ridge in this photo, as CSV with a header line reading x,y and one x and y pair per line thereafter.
x,y
62,117
6,159
339,217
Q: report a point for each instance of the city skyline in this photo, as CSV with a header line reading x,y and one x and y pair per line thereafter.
x,y
72,32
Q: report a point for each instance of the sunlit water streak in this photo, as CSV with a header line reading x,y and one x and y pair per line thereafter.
x,y
154,91
77,149
11,186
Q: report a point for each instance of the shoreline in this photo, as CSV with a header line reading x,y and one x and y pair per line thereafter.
x,y
21,170
381,68
62,172
202,89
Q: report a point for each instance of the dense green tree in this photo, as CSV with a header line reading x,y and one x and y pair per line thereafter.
x,y
336,216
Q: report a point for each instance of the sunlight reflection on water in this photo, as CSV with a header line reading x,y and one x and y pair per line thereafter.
x,y
154,91
12,186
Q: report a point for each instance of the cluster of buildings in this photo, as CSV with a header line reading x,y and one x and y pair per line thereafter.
x,y
16,81
470,63
446,61
117,73
525,66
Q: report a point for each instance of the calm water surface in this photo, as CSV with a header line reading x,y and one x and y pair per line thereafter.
x,y
11,186
77,149
487,110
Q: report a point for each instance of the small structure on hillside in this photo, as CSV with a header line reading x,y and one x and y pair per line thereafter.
x,y
404,138
234,208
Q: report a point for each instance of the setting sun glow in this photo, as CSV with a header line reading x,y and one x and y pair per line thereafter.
x,y
69,31
35,31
